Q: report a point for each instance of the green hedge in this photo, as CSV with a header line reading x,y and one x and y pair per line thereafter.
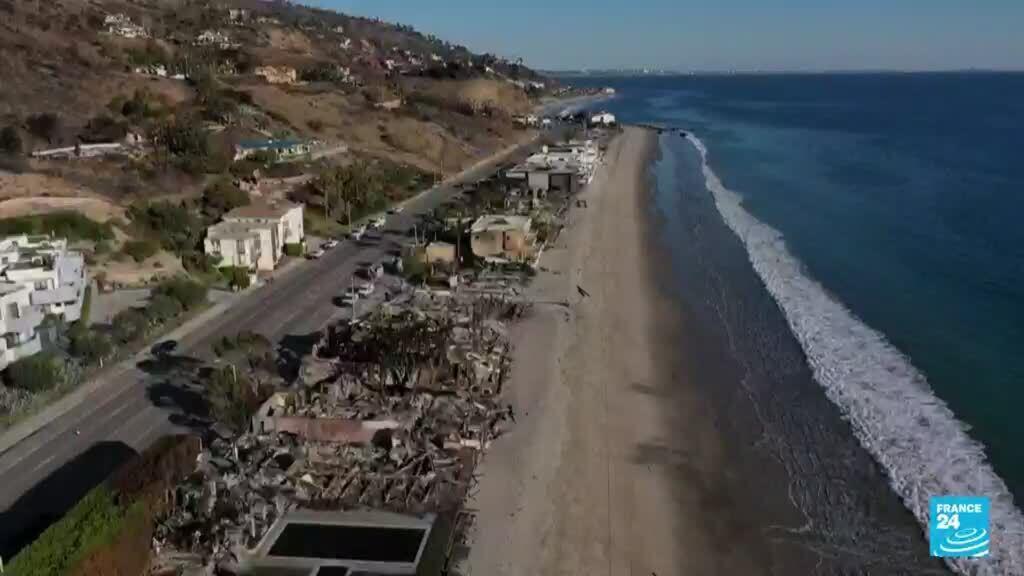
x,y
108,532
293,249
94,521
70,225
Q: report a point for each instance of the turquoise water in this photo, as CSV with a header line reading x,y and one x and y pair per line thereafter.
x,y
898,198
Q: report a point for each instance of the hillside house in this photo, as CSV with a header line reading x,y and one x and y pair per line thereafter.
x,y
500,238
121,25
254,236
278,74
285,149
213,38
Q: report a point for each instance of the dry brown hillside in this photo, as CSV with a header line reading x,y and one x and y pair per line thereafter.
x,y
71,75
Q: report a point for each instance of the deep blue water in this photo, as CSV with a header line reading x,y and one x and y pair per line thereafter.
x,y
901,196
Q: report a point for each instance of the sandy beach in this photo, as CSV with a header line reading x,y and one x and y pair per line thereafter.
x,y
613,466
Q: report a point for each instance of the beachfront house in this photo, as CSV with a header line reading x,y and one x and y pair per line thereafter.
x,y
283,149
498,238
255,236
603,119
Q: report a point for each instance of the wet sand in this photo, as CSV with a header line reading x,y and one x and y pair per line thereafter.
x,y
615,465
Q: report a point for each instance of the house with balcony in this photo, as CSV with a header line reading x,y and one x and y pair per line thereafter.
x,y
234,245
19,322
254,236
54,276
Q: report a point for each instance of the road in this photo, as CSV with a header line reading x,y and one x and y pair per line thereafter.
x,y
46,473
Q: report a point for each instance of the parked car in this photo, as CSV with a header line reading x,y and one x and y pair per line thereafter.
x,y
329,244
315,254
366,288
396,209
378,222
358,233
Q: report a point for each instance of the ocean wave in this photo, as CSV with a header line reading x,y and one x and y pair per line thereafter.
x,y
894,413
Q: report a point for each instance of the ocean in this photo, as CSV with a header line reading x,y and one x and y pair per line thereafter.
x,y
850,244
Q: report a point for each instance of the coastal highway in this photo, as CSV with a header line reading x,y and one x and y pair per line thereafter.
x,y
47,472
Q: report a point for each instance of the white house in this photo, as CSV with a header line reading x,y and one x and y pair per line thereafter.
x,y
18,324
38,276
254,236
213,38
285,149
121,25
603,119
54,276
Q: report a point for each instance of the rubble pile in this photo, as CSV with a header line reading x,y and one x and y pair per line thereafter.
x,y
392,414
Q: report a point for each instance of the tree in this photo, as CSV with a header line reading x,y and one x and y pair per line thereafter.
x,y
36,373
234,397
46,126
187,292
10,140
178,227
129,325
163,308
140,250
223,196
89,346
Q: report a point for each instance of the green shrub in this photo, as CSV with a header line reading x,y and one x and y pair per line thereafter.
x,y
178,228
162,308
70,225
90,346
140,250
90,523
189,293
223,196
293,249
237,277
10,140
36,373
129,325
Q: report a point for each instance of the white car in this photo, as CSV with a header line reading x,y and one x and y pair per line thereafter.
x,y
378,222
315,254
329,244
396,209
366,288
358,233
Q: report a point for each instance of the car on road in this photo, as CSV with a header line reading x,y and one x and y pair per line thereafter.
x,y
315,254
329,244
164,348
365,289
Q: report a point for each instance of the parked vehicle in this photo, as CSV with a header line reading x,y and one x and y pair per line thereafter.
x,y
315,254
329,244
366,288
358,233
396,209
378,222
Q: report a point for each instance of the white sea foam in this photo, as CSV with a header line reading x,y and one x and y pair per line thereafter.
x,y
895,415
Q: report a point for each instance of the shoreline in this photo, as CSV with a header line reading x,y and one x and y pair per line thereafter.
x,y
615,464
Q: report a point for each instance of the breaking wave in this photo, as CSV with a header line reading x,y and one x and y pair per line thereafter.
x,y
895,415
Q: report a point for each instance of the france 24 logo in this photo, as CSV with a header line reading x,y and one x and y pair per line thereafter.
x,y
958,526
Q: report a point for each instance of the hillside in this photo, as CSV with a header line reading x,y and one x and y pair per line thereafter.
x,y
173,86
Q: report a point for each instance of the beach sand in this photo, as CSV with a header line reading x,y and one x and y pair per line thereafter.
x,y
614,466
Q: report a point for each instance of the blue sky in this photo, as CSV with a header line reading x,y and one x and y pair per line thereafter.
x,y
722,34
